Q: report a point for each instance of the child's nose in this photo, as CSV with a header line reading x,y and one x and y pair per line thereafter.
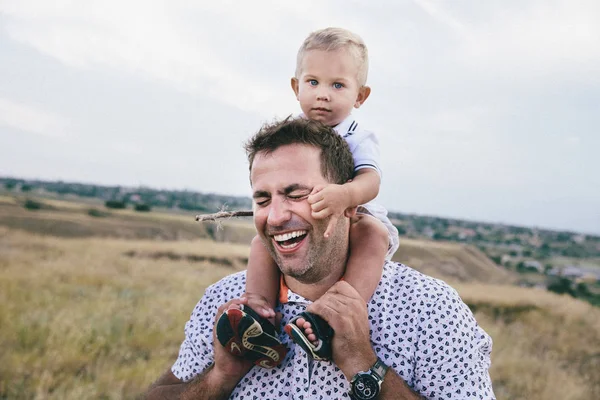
x,y
323,95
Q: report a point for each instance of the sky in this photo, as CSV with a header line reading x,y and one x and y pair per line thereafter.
x,y
485,110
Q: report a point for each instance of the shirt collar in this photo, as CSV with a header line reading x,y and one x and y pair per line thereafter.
x,y
283,290
343,128
346,126
287,296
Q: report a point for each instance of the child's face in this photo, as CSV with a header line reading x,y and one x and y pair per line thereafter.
x,y
328,87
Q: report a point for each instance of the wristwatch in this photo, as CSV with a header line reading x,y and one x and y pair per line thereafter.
x,y
366,385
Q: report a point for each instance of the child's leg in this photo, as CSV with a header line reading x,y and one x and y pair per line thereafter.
x,y
262,280
245,330
369,243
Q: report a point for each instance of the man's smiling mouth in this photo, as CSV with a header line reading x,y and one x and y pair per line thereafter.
x,y
290,240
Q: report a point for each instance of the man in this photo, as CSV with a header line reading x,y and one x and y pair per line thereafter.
x,y
415,339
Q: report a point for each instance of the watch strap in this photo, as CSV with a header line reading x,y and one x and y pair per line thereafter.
x,y
379,368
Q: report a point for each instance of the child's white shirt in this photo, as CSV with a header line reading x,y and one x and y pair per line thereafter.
x,y
364,146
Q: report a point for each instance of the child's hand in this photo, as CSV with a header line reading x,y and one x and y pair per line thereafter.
x,y
329,201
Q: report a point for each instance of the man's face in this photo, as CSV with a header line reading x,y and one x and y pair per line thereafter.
x,y
328,87
281,183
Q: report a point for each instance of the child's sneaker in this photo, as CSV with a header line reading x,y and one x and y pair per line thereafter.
x,y
321,329
246,334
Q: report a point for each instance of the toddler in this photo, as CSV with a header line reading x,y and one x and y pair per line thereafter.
x,y
330,81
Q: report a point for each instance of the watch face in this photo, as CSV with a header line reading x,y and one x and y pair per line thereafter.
x,y
365,387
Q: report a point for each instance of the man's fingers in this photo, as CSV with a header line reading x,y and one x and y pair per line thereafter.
x,y
343,288
336,300
235,303
323,309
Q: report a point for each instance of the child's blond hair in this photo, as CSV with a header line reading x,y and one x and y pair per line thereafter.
x,y
332,39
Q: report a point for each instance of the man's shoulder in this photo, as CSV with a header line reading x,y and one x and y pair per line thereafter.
x,y
233,285
402,280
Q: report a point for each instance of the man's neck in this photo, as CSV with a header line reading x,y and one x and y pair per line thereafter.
x,y
311,291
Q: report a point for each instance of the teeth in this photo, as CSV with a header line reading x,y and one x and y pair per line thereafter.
x,y
288,236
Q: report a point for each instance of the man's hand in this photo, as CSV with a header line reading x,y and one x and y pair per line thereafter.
x,y
227,366
345,310
215,382
329,201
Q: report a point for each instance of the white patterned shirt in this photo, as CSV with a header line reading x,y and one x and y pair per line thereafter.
x,y
419,327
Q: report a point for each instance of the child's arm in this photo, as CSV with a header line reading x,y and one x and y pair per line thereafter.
x,y
262,280
364,187
369,243
332,200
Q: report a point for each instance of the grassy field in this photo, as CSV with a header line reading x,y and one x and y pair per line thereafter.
x,y
101,316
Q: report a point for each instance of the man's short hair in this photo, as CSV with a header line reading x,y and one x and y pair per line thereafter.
x,y
337,165
332,39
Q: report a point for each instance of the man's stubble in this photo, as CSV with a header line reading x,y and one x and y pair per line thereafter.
x,y
323,253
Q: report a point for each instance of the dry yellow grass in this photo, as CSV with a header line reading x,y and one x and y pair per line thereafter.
x,y
82,320
100,318
545,346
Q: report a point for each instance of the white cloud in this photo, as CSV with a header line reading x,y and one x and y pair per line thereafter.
x,y
537,40
467,96
468,120
437,12
159,41
32,119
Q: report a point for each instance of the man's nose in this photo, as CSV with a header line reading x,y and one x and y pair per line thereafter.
x,y
278,212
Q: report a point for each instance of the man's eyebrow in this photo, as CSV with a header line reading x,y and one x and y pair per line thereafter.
x,y
294,187
260,193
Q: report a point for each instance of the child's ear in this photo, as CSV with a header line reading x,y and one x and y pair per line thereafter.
x,y
363,94
295,86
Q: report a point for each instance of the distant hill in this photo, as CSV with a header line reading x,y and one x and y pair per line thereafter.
x,y
58,218
451,261
172,199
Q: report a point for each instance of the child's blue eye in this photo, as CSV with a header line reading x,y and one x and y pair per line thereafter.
x,y
338,85
313,82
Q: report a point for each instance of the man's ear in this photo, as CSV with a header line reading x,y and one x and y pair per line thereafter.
x,y
350,212
363,94
295,86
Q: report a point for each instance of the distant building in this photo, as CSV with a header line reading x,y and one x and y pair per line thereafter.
x,y
579,239
162,197
466,234
571,271
534,264
506,259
